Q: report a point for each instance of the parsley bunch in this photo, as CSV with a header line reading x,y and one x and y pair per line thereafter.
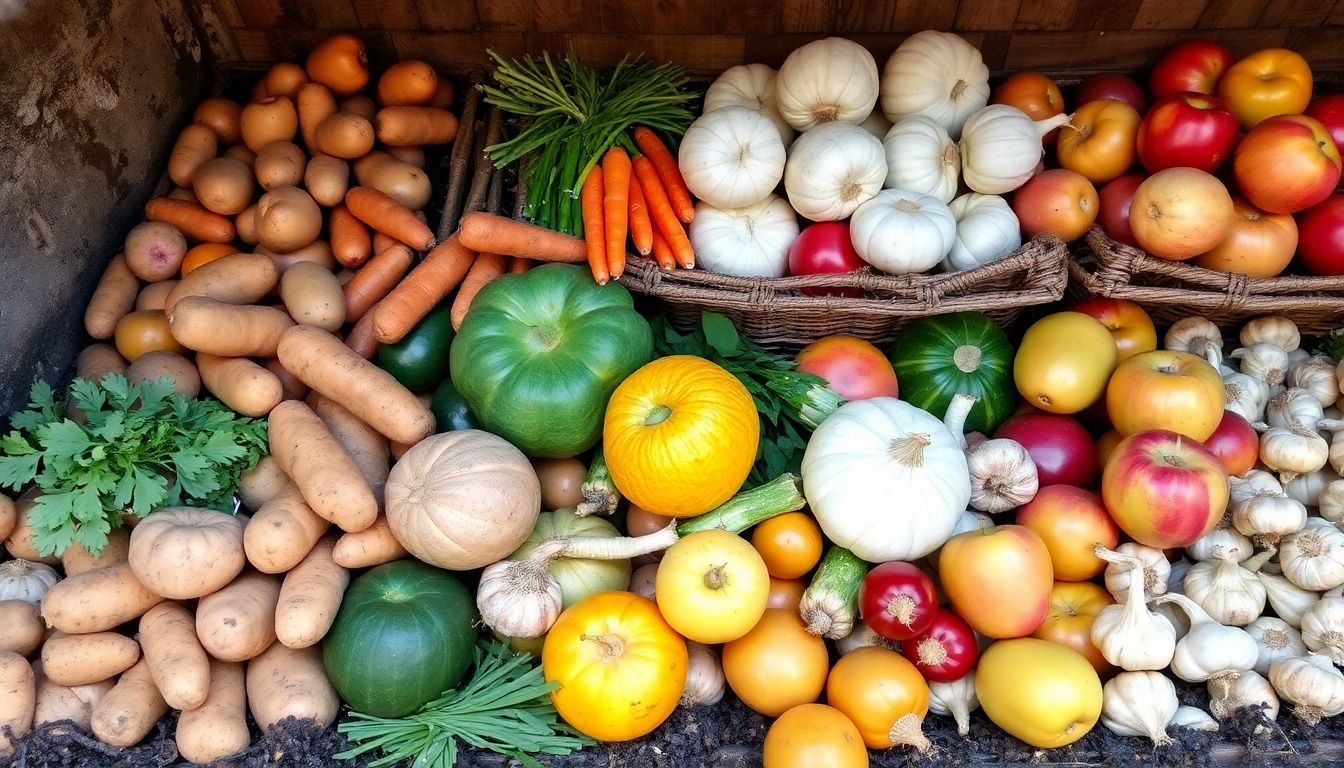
x,y
139,447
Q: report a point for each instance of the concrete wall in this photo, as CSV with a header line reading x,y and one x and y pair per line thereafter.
x,y
93,92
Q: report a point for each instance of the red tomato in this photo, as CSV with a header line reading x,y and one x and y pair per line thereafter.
x,y
1330,111
1058,201
853,367
1287,164
898,601
1033,93
946,652
1111,85
824,249
1275,81
1320,232
1190,129
1194,65
1101,143
1258,244
1062,450
1114,200
1235,443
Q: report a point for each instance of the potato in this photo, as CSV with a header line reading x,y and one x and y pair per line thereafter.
x,y
345,135
9,516
18,698
224,185
327,477
318,252
294,389
561,482
182,193
287,219
185,552
19,542
314,103
402,181
372,546
246,224
21,628
56,702
270,119
97,600
366,446
241,384
237,623
313,296
284,78
282,532
239,278
154,251
112,299
179,665
96,361
196,144
262,483
154,295
152,366
361,105
241,152
223,116
279,163
128,712
287,682
204,324
408,153
76,559
310,596
72,660
327,178
217,728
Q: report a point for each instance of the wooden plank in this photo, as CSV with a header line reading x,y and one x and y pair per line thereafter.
x,y
265,14
807,16
326,14
457,52
1105,14
500,15
254,45
1336,17
740,17
227,10
665,17
918,15
447,15
865,16
1045,14
985,15
1167,14
1129,49
994,49
390,14
294,43
699,54
1295,13
567,15
1232,14
1323,48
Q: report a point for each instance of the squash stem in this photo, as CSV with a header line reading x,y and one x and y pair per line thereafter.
x,y
830,604
783,494
955,418
600,496
593,548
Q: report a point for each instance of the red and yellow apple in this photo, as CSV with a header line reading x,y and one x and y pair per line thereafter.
x,y
1259,244
1235,443
998,579
1287,164
1163,489
1166,389
1193,65
1180,213
851,366
1071,522
1073,608
1274,81
1130,326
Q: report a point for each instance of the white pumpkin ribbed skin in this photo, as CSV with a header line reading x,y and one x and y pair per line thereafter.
x,y
731,157
463,499
832,170
872,504
924,71
922,158
901,232
751,86
831,79
751,242
1000,147
987,230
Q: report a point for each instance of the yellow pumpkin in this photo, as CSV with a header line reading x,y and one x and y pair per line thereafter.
x,y
1041,692
680,436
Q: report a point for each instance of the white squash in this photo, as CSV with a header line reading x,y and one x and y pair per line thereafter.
x,y
901,233
937,74
731,157
26,580
827,80
751,86
877,124
885,479
832,170
1000,147
752,241
987,230
922,158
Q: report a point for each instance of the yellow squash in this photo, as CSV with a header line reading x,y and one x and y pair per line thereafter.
x,y
1041,692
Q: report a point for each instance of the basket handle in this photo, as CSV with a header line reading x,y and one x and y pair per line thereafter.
x,y
1115,260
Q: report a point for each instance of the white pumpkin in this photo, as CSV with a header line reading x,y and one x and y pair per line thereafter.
x,y
827,80
987,230
937,74
922,158
901,232
752,241
26,580
832,170
877,124
885,479
1001,146
751,86
731,157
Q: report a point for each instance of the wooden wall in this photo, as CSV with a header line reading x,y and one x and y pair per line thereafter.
x,y
710,35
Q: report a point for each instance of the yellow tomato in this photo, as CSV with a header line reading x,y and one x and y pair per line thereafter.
x,y
785,593
620,667
1275,81
1099,141
813,736
1074,605
1064,362
144,331
777,665
883,694
712,586
1041,692
789,543
204,254
680,436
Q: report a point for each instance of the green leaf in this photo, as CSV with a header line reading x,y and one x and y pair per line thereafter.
x,y
65,438
720,333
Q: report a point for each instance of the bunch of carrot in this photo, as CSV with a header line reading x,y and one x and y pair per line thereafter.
x,y
644,197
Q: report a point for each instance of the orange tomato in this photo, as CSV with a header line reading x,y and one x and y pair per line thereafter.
x,y
1033,93
1165,389
204,254
785,593
340,63
777,665
790,544
144,331
1274,81
883,694
1074,605
1102,144
1258,244
1071,521
852,366
811,736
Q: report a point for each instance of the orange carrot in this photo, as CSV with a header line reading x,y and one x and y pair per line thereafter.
x,y
488,233
662,252
386,215
641,229
426,285
375,280
488,266
660,210
193,219
654,149
350,241
382,242
594,231
616,207
519,265
361,337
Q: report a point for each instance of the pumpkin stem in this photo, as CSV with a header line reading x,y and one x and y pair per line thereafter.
x,y
907,206
958,88
967,358
600,496
952,156
612,646
825,114
714,577
955,418
908,730
910,450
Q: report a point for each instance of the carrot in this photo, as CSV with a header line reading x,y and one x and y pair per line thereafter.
x,y
192,219
594,229
382,242
386,215
487,267
373,280
616,207
660,210
519,265
400,126
641,228
361,337
350,240
662,252
426,285
488,233
654,149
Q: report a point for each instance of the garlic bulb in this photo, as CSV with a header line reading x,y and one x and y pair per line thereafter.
x,y
1225,538
1287,599
1297,356
863,636
1210,651
1268,518
704,675
1245,396
1248,690
1313,558
26,580
1264,361
1139,704
1229,592
1308,488
1198,336
643,579
1317,376
1271,329
1180,621
1156,569
1294,408
1312,684
1193,718
1255,482
1335,454
1339,375
1323,628
1003,476
957,699
1128,634
1331,501
1293,451
1275,639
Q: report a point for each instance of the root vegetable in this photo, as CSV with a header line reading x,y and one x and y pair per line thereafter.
x,y
165,363
385,214
208,325
72,660
19,543
223,116
21,628
376,279
317,252
366,447
177,661
112,299
237,623
97,600
56,702
313,296
314,103
192,219
288,682
262,483
217,728
399,126
224,186
287,219
185,552
344,135
76,559
240,383
278,164
407,83
154,295
128,712
372,546
325,474
351,242
18,696
267,120
404,182
96,361
282,532
196,144
327,178
293,388
310,597
154,251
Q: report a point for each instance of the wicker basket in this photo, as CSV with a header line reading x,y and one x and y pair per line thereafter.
x,y
775,312
1170,290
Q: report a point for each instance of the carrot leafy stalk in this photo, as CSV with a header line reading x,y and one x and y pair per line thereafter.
x,y
593,230
660,210
616,206
677,191
641,229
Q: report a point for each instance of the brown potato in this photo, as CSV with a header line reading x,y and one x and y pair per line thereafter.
x,y
203,324
97,600
313,296
9,514
318,252
237,623
262,483
293,388
246,222
270,119
217,728
408,153
18,696
154,295
96,361
282,532
224,185
284,79
279,163
240,383
345,135
56,702
402,181
361,105
287,219
327,178
286,682
241,152
154,251
314,103
239,278
178,663
72,660
223,116
76,559
21,627
112,299
20,542
196,144
128,712
159,363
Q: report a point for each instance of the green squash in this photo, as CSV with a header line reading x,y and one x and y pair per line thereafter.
x,y
540,353
451,412
965,352
404,634
420,360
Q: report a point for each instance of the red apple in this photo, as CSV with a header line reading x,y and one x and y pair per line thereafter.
x,y
1330,111
1129,324
1114,199
1071,522
1320,237
853,367
1164,489
1111,85
1194,65
1287,164
1192,129
1062,450
1235,443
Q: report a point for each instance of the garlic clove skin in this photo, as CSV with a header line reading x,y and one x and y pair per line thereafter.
x,y
1331,501
1198,336
1316,375
1255,482
1225,538
1210,651
1309,487
1275,639
1323,628
1294,407
1192,718
518,598
1312,684
1003,476
1287,599
1156,570
1250,689
1267,519
1313,558
1245,396
1264,361
1139,704
704,676
1228,592
863,636
1293,451
1127,634
956,699
1271,329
